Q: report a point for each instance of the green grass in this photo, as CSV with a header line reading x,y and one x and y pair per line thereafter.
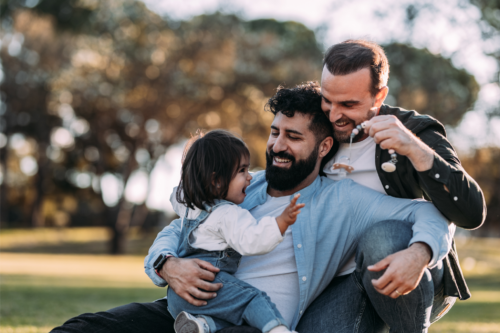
x,y
40,291
48,301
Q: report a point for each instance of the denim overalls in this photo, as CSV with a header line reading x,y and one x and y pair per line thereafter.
x,y
237,301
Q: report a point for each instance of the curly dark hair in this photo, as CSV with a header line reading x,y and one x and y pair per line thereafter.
x,y
305,99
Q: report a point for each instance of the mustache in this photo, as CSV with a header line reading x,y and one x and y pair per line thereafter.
x,y
281,154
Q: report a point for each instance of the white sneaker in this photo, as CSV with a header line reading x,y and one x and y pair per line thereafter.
x,y
187,323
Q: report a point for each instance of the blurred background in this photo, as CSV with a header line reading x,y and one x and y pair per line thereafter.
x,y
98,97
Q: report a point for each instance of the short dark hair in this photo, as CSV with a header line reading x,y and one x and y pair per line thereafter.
x,y
353,55
305,99
209,166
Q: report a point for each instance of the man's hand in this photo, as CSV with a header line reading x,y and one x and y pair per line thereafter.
x,y
187,276
388,132
404,270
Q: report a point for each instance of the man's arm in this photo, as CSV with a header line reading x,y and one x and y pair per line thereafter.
x,y
431,241
166,243
440,173
185,276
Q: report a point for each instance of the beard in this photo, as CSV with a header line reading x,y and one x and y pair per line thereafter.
x,y
282,179
345,136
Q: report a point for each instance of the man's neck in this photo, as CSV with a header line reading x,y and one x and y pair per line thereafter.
x,y
303,184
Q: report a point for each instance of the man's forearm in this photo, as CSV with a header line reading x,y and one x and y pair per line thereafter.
x,y
421,156
166,243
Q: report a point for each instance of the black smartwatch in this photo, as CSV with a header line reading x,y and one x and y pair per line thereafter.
x,y
160,261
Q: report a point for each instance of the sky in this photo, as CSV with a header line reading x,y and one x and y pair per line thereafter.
x,y
446,27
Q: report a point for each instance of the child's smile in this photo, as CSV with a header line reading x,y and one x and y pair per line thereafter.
x,y
238,185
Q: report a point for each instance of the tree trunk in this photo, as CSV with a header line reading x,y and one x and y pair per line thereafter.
x,y
4,216
122,215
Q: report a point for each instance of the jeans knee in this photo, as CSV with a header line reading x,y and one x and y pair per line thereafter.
x,y
383,239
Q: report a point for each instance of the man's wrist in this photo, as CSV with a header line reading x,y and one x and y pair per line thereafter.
x,y
421,156
160,263
424,251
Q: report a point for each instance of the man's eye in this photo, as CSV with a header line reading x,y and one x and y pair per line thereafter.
x,y
274,133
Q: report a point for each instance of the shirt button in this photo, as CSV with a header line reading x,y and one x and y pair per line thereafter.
x,y
387,186
301,312
455,198
304,278
299,246
437,175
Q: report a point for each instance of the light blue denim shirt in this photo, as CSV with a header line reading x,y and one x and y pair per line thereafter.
x,y
328,227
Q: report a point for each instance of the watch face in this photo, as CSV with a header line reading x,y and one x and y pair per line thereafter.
x,y
159,261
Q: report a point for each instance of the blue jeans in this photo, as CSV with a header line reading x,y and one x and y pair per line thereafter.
x,y
351,304
236,302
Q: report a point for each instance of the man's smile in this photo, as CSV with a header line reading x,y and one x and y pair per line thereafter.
x,y
341,124
280,161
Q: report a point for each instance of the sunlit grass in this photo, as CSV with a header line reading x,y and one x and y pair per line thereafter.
x,y
39,291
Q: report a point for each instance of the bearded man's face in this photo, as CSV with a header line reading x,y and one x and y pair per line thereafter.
x,y
292,152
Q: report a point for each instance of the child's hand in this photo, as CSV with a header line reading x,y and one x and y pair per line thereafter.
x,y
289,215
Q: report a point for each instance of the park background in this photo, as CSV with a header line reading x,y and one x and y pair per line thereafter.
x,y
98,97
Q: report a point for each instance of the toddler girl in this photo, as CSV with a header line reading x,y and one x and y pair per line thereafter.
x,y
213,182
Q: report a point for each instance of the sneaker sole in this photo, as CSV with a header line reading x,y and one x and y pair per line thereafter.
x,y
185,325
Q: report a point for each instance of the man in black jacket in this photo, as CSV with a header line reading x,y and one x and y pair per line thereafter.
x,y
419,163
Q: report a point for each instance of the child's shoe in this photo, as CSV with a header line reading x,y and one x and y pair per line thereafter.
x,y
187,323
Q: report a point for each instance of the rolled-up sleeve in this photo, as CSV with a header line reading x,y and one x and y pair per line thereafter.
x,y
166,243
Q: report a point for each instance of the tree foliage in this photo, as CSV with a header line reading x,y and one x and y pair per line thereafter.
x,y
98,90
429,83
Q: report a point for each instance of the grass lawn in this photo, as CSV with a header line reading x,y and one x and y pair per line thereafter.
x,y
39,291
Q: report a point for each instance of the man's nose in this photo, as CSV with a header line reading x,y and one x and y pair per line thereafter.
x,y
334,114
279,144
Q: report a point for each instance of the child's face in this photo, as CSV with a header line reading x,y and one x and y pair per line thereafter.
x,y
238,185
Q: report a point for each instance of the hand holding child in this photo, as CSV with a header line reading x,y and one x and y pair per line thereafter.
x,y
289,215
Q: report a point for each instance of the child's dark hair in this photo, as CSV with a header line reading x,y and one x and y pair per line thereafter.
x,y
209,165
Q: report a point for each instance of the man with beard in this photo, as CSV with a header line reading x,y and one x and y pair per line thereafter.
x,y
295,274
423,164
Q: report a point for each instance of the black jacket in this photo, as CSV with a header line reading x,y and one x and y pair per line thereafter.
x,y
446,184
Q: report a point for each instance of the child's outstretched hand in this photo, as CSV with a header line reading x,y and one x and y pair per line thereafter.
x,y
289,215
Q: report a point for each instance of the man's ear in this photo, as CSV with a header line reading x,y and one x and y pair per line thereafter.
x,y
380,96
325,146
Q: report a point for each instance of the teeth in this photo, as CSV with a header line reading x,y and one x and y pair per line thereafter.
x,y
341,124
281,160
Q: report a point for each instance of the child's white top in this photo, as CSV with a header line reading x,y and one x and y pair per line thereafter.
x,y
231,226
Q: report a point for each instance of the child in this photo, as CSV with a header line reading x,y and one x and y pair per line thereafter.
x,y
213,182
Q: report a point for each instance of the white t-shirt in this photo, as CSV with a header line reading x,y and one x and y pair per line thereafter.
x,y
364,173
275,272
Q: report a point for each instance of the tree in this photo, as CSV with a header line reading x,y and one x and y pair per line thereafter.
x,y
430,84
108,86
129,86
